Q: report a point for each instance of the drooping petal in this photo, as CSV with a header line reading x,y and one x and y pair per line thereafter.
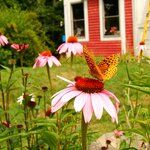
x,y
97,105
55,61
59,95
109,107
20,99
70,95
117,103
87,109
50,62
15,46
4,39
60,46
79,48
40,62
79,102
66,80
57,106
2,42
110,94
68,54
64,48
71,49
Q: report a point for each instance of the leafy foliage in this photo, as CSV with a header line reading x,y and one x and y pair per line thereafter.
x,y
35,22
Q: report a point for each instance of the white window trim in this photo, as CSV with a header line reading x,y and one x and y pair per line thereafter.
x,y
103,37
68,18
122,26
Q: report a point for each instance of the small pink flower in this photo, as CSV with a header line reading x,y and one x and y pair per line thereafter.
x,y
90,96
44,58
3,40
6,124
71,46
141,46
118,133
19,47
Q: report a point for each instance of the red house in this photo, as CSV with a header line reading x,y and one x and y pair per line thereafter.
x,y
106,26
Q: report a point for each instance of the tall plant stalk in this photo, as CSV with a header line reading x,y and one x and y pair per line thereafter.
x,y
71,59
3,95
21,64
49,76
84,127
8,92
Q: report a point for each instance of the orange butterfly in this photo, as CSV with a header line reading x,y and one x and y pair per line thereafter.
x,y
105,69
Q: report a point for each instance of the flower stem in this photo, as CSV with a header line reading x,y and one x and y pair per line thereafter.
x,y
45,104
3,95
71,59
21,64
49,75
84,127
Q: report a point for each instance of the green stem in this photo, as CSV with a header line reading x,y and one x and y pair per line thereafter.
x,y
49,75
22,72
7,93
71,59
45,104
58,131
3,95
84,127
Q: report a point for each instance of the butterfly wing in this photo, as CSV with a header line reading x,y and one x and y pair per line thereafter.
x,y
93,68
108,66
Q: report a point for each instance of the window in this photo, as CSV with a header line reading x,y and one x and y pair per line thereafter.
x,y
78,22
110,19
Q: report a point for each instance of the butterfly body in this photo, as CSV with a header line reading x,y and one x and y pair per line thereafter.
x,y
105,69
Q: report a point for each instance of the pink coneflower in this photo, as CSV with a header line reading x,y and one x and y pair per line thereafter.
x,y
118,133
3,40
72,46
90,96
19,47
141,46
6,124
44,58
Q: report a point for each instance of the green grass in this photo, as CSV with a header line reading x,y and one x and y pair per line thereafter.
x,y
38,78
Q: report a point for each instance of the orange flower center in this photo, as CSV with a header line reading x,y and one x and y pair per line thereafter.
x,y
46,53
88,85
72,39
142,43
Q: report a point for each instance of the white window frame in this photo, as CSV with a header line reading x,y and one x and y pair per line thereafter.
x,y
102,26
69,17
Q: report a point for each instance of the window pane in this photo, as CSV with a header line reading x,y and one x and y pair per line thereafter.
x,y
112,26
78,20
111,7
111,17
78,12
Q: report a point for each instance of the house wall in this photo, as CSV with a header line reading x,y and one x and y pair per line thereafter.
x,y
107,47
139,15
129,26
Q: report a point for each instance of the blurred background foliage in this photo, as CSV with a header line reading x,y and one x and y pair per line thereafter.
x,y
38,23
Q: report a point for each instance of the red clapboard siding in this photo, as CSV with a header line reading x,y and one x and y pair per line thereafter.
x,y
129,25
107,47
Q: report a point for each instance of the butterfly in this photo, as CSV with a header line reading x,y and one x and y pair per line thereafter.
x,y
105,69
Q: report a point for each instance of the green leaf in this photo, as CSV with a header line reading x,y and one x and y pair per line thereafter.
x,y
66,127
50,138
67,113
6,68
139,88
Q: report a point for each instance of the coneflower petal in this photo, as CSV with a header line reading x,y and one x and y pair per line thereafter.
x,y
87,109
97,105
79,102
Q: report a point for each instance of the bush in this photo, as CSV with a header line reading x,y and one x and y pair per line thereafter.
x,y
22,27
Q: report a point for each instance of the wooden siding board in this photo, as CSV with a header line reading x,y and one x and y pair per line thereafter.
x,y
107,47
